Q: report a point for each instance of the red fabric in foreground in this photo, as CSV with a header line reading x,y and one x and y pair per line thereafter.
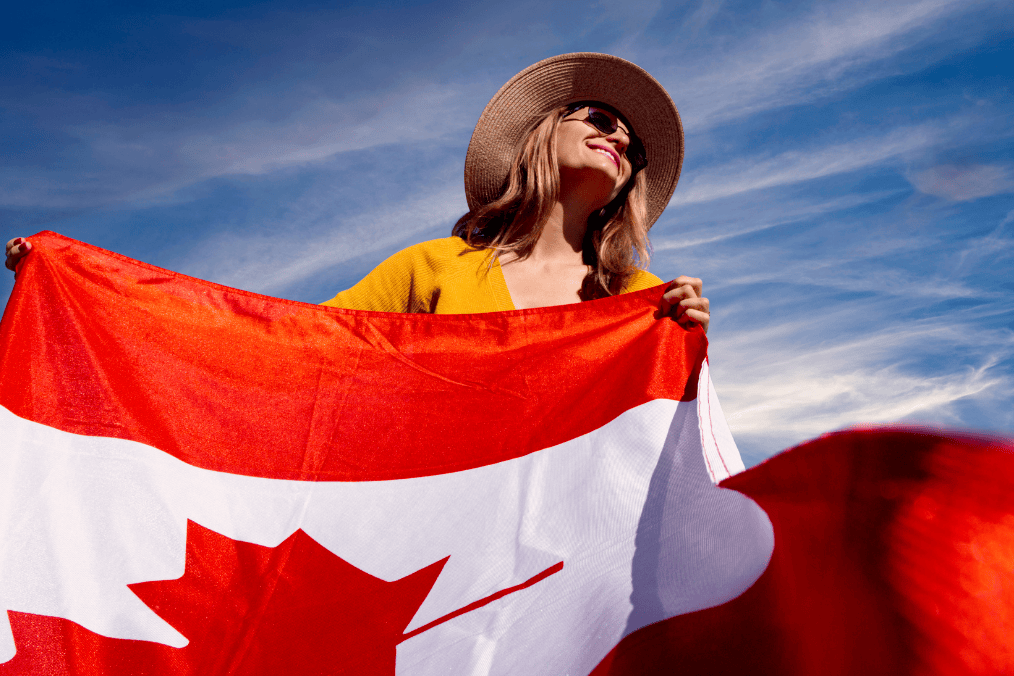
x,y
109,346
246,610
894,554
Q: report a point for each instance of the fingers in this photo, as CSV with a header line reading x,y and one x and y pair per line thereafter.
x,y
696,304
693,282
16,250
18,247
681,288
694,310
678,307
683,302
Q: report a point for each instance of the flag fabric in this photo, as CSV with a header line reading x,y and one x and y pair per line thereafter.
x,y
200,480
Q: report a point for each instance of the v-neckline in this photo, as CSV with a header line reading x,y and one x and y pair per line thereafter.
x,y
498,285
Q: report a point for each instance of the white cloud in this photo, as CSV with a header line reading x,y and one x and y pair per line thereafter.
x,y
731,219
304,246
961,183
777,393
149,160
991,250
830,48
702,16
757,172
314,131
849,271
323,129
149,153
632,18
883,315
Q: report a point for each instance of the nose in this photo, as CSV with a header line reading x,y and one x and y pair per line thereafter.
x,y
619,139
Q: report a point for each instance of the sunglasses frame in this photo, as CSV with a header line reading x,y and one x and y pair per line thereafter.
x,y
599,118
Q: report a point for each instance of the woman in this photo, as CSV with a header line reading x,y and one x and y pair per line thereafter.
x,y
570,164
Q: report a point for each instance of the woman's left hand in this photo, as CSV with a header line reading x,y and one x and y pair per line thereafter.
x,y
683,302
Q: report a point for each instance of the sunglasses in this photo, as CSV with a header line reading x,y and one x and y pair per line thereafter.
x,y
607,122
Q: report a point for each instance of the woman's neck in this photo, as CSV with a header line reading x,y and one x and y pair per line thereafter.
x,y
562,237
554,270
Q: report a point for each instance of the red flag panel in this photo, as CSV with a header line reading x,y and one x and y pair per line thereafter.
x,y
241,383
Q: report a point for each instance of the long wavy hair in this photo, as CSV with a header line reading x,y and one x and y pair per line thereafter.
x,y
615,243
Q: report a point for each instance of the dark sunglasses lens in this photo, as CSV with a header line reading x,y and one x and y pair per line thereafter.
x,y
606,124
601,121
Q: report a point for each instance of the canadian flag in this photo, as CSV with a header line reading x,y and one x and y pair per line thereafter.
x,y
200,480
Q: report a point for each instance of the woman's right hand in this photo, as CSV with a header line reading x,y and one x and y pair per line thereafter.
x,y
17,248
684,303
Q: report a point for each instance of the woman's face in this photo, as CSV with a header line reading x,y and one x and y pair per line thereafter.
x,y
590,159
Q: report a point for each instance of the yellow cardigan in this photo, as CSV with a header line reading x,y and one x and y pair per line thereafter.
x,y
442,276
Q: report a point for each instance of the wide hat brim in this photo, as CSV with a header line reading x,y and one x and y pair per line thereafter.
x,y
560,80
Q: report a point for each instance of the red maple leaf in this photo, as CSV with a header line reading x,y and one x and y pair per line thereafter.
x,y
247,610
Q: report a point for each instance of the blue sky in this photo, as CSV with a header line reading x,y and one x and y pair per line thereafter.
x,y
846,194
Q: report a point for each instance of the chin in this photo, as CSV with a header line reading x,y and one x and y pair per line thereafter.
x,y
597,180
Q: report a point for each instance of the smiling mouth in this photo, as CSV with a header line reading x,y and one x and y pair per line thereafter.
x,y
608,153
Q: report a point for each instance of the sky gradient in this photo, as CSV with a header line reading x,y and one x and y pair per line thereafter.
x,y
846,194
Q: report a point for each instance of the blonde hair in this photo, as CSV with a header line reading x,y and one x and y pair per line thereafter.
x,y
616,241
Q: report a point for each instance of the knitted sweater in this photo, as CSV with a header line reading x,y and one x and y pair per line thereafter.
x,y
442,276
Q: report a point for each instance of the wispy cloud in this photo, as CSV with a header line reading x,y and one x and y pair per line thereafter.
x,y
960,183
757,172
324,128
687,228
871,315
777,393
301,248
146,153
700,17
994,249
825,50
150,159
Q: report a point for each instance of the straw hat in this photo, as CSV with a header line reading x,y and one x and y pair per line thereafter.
x,y
561,80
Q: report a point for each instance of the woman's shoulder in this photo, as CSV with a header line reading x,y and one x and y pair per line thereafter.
x,y
445,246
641,279
413,279
445,256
